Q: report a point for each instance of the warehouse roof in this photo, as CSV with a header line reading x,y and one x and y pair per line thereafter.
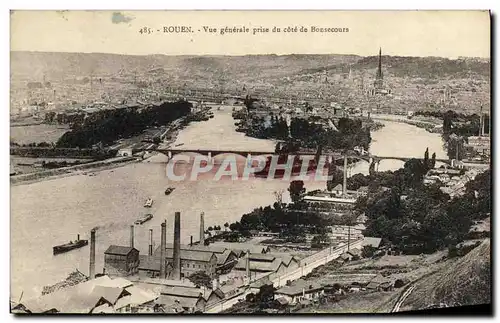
x,y
119,250
298,287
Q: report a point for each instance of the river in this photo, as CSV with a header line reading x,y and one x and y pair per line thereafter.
x,y
52,212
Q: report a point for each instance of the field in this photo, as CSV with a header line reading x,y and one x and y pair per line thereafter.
x,y
36,133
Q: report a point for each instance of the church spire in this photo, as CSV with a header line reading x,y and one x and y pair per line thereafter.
x,y
379,71
379,79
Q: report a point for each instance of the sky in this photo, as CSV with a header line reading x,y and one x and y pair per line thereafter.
x,y
404,33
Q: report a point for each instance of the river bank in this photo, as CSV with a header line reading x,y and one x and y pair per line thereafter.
x,y
80,169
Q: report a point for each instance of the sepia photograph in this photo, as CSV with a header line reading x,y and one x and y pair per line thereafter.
x,y
250,162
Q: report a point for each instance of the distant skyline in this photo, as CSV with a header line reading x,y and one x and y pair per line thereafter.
x,y
449,34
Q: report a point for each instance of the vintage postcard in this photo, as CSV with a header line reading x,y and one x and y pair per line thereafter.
x,y
235,162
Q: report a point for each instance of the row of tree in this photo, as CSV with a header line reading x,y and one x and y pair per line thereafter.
x,y
123,123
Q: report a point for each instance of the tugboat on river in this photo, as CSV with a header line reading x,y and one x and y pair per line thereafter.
x,y
144,218
70,246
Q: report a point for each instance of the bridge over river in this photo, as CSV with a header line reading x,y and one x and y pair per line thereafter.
x,y
211,153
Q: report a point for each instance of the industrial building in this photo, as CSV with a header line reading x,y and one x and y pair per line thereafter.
x,y
191,262
121,261
226,259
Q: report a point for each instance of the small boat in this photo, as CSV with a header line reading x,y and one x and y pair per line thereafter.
x,y
70,246
149,202
144,218
179,145
169,190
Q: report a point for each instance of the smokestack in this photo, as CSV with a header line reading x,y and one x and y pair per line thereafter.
x,y
191,243
132,236
344,184
481,121
177,247
202,229
163,246
150,242
78,237
92,254
247,267
483,117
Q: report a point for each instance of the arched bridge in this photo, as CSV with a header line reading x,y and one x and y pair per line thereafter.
x,y
211,153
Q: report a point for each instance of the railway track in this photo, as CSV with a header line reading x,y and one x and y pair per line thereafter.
x,y
402,298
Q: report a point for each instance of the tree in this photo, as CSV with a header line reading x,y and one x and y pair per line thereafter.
x,y
433,161
236,226
265,295
210,229
279,199
250,298
455,147
297,190
226,225
200,278
319,240
368,251
426,159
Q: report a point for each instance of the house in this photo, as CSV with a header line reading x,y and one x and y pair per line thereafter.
x,y
281,302
371,241
355,253
344,257
121,261
380,283
189,298
337,190
299,291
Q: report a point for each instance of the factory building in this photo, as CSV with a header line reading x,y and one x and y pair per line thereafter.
x,y
191,262
121,261
226,259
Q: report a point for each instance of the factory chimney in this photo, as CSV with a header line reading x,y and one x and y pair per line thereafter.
x,y
483,118
92,254
202,229
191,242
132,236
344,184
163,246
150,242
177,247
481,126
247,267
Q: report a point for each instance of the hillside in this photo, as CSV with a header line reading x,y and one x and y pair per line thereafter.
x,y
464,281
33,65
